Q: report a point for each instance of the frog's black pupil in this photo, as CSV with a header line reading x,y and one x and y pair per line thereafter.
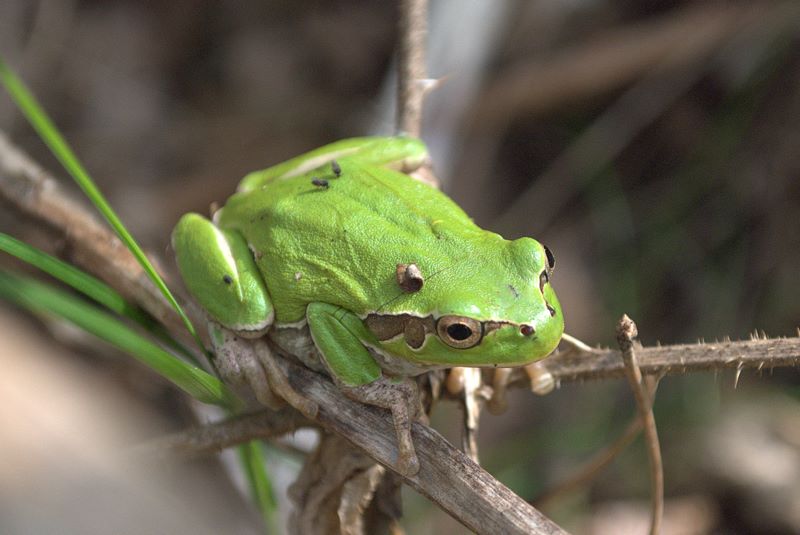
x,y
459,331
551,260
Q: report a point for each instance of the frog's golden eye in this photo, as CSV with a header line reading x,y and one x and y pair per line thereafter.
x,y
459,332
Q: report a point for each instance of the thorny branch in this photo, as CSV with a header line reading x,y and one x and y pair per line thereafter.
x,y
758,353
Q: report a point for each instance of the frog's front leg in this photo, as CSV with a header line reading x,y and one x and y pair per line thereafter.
x,y
220,272
340,335
401,397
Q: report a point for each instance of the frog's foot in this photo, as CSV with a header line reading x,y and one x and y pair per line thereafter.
x,y
279,383
498,402
250,367
238,365
542,381
402,398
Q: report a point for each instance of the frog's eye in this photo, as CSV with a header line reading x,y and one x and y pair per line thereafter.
x,y
551,260
459,332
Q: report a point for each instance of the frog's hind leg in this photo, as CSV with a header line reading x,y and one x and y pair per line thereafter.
x,y
403,154
237,362
221,274
279,383
250,367
340,335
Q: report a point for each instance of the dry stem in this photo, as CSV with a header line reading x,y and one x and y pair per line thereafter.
x,y
626,332
213,438
90,244
411,66
596,464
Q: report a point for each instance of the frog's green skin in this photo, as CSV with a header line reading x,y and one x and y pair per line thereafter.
x,y
356,268
285,253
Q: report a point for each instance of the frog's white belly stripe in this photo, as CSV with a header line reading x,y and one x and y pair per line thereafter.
x,y
253,330
294,325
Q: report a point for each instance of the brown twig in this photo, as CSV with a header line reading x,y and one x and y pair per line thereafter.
x,y
213,438
592,467
91,244
446,476
626,333
679,359
597,463
607,62
411,66
636,108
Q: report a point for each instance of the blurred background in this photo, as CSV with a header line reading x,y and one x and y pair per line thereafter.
x,y
653,146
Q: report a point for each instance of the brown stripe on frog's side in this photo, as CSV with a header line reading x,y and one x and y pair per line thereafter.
x,y
489,326
413,328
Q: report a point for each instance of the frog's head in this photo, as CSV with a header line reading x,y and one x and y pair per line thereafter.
x,y
498,309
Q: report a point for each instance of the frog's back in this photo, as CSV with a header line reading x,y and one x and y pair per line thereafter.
x,y
341,242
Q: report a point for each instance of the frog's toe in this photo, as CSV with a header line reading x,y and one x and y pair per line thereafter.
x,y
239,367
408,463
259,384
279,383
307,407
542,381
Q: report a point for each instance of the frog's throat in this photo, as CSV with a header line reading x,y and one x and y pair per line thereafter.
x,y
253,330
292,325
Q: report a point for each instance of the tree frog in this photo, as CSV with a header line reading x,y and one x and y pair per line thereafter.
x,y
343,260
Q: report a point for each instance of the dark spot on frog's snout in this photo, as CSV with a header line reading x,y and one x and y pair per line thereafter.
x,y
320,183
513,291
227,279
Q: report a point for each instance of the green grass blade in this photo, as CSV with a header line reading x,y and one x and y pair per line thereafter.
x,y
61,150
251,455
91,287
81,281
44,299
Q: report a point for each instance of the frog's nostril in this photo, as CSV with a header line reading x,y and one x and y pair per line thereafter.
x,y
551,310
526,330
